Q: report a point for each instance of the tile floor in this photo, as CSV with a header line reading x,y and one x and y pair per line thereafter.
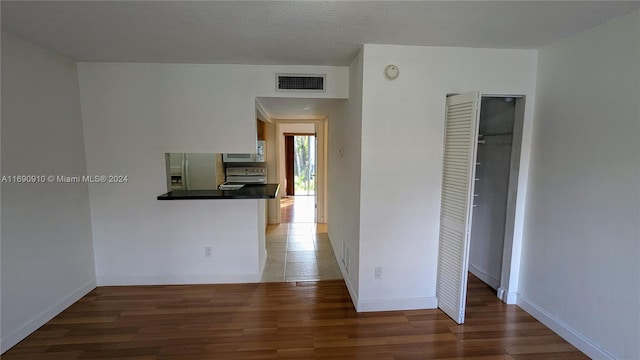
x,y
298,252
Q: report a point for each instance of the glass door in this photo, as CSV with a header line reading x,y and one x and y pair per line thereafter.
x,y
299,204
304,168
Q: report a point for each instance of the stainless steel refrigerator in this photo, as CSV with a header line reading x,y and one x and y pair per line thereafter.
x,y
192,171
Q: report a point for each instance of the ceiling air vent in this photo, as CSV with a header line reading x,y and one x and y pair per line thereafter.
x,y
301,83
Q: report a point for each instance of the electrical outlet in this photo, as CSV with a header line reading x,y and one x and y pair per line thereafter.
x,y
207,251
378,272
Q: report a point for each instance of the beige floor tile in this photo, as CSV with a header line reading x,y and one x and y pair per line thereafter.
x,y
301,238
301,269
272,275
301,246
303,278
307,226
301,256
299,252
276,230
276,256
276,238
301,231
329,274
273,271
324,246
326,258
276,246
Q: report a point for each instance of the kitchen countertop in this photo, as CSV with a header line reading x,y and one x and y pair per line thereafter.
x,y
249,191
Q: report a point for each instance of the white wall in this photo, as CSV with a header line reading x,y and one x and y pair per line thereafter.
x,y
262,238
133,114
580,269
402,133
343,193
47,253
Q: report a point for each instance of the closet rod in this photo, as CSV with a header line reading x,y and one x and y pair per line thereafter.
x,y
503,134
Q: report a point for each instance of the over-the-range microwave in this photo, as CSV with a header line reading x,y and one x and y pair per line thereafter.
x,y
258,156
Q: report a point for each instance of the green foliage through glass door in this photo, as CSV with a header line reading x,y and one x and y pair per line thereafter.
x,y
304,164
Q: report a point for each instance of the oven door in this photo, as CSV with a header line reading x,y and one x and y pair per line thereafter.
x,y
238,157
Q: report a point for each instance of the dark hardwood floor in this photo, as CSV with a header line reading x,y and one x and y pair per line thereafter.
x,y
295,320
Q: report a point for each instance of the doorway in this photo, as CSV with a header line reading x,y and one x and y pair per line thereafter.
x,y
483,137
492,169
298,246
299,203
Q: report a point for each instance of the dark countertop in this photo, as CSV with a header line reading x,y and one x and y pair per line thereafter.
x,y
249,191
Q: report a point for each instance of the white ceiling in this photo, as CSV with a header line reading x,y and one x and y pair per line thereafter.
x,y
290,32
297,108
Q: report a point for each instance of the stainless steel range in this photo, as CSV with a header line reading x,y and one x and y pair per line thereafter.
x,y
246,175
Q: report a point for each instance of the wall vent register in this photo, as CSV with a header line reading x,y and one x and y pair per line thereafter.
x,y
301,83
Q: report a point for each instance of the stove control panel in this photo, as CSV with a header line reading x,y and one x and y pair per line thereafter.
x,y
246,171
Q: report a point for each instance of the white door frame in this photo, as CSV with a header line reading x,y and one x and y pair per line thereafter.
x,y
505,293
321,165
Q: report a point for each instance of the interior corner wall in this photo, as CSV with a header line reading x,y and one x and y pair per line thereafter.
x,y
47,250
343,193
580,265
273,205
401,163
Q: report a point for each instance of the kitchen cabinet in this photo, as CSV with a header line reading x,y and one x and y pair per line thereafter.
x,y
262,130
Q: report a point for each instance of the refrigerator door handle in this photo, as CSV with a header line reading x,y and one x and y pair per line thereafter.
x,y
185,172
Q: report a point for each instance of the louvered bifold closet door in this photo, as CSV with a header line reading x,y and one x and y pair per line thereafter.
x,y
458,172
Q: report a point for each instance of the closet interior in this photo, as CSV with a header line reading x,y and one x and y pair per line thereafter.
x,y
491,191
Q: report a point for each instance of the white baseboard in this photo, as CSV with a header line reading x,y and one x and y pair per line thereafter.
x,y
565,331
40,319
397,304
263,260
352,292
345,274
484,276
177,279
384,304
508,297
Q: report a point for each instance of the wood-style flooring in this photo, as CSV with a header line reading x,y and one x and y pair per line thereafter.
x,y
294,320
297,209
